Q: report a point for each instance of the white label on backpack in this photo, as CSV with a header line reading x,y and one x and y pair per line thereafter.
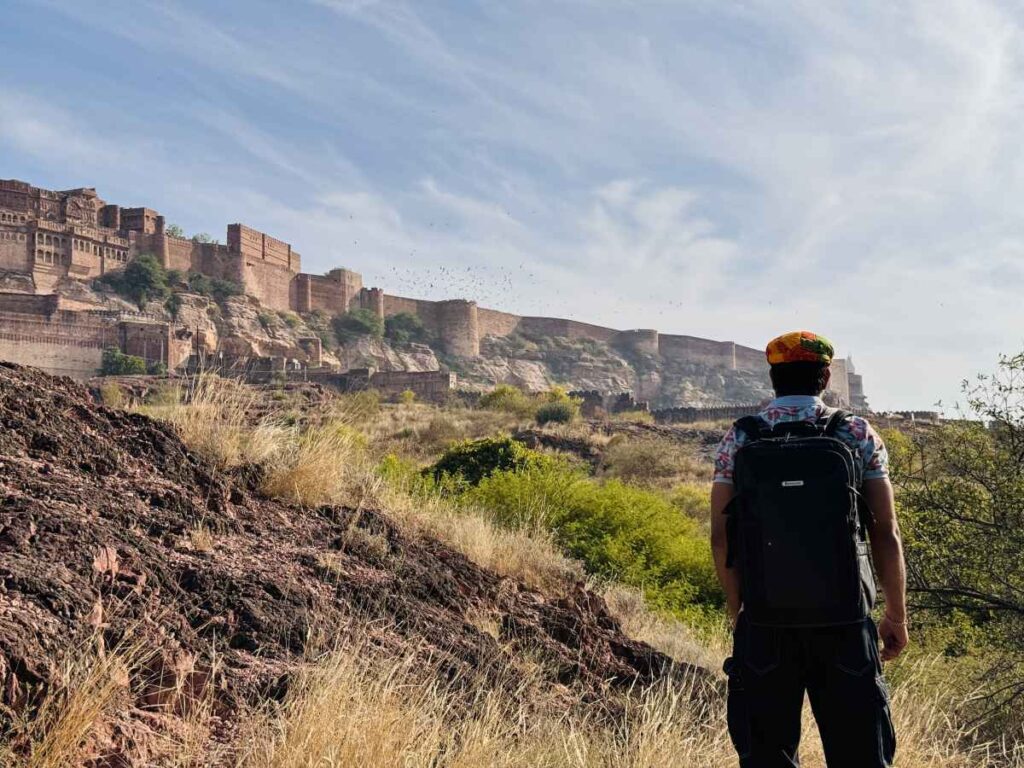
x,y
792,483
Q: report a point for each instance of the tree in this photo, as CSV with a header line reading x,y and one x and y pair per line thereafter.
x,y
116,363
173,230
404,327
215,287
962,503
356,323
204,237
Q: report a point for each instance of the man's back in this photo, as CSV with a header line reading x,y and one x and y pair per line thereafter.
x,y
776,663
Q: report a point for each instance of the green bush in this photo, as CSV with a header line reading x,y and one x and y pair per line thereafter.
x,y
116,363
356,323
509,399
173,305
404,327
619,532
470,461
216,288
143,280
561,412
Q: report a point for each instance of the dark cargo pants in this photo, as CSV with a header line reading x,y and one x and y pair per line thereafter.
x,y
840,670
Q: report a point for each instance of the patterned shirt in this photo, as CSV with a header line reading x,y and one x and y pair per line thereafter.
x,y
866,444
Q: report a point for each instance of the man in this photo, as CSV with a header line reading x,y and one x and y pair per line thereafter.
x,y
796,489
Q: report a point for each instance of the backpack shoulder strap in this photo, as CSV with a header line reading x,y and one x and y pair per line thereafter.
x,y
751,426
836,420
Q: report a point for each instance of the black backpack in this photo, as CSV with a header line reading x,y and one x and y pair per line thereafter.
x,y
795,528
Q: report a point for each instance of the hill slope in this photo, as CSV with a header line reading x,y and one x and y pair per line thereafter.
x,y
111,528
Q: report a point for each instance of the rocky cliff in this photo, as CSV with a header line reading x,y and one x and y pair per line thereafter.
x,y
240,328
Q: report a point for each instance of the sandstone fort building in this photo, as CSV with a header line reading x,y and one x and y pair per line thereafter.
x,y
51,237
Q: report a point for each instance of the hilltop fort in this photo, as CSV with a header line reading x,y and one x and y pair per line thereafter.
x,y
52,240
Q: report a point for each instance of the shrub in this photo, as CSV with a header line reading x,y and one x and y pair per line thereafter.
x,y
216,288
358,406
291,319
618,531
156,368
562,412
266,320
509,399
404,327
111,395
116,363
358,322
143,280
470,461
652,461
693,500
173,305
407,396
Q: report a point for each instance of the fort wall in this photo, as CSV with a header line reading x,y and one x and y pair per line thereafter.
x,y
424,310
643,341
494,323
459,327
721,354
268,281
62,343
47,235
572,329
333,293
749,359
14,252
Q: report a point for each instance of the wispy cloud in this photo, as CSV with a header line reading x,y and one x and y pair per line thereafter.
x,y
723,169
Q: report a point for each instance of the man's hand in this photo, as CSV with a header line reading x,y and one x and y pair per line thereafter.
x,y
894,638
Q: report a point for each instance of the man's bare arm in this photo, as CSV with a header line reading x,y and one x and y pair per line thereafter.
x,y
729,578
887,551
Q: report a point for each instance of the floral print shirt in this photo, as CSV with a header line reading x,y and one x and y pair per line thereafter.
x,y
866,444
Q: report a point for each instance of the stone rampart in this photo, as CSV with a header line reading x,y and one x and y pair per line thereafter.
x,y
62,343
693,415
572,329
644,341
721,354
458,327
494,323
750,359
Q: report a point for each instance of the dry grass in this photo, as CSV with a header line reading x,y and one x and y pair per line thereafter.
x,y
653,462
325,464
527,555
356,710
214,417
94,684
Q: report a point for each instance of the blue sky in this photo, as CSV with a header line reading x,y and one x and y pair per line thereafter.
x,y
730,170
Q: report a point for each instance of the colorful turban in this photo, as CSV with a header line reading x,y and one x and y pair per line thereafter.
x,y
799,346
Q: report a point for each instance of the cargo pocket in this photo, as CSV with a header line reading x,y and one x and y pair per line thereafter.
x,y
856,654
886,732
738,710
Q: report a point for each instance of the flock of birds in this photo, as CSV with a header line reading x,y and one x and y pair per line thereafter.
x,y
520,290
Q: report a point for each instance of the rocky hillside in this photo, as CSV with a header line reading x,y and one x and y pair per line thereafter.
x,y
240,327
111,531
